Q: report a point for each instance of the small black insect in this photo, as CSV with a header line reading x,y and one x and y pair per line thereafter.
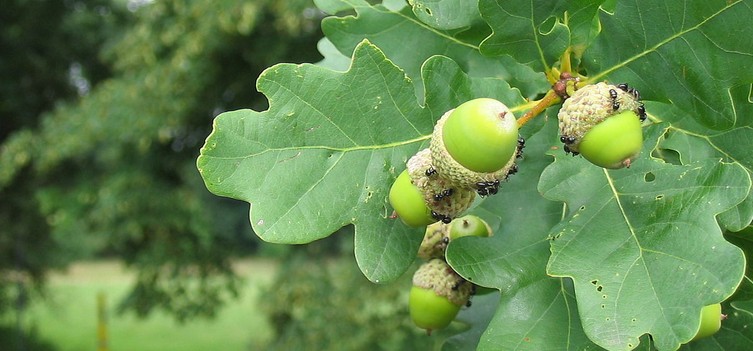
x,y
642,112
482,189
431,171
567,139
441,217
568,151
445,240
521,146
468,303
473,289
487,188
636,94
443,194
615,103
513,169
626,88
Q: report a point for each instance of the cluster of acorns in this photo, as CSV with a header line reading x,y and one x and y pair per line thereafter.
x,y
473,148
438,292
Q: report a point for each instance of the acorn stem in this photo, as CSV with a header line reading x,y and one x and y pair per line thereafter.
x,y
549,99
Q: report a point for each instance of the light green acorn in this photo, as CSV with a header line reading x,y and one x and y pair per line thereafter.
x,y
711,321
475,145
469,225
438,235
408,202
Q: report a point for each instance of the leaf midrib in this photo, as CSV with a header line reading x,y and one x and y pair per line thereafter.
x,y
324,147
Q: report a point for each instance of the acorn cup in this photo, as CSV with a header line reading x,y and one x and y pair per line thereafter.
x,y
437,295
475,145
444,199
602,122
435,241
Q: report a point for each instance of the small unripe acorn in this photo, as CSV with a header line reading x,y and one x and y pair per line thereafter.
x,y
614,144
506,143
711,321
469,225
437,295
438,235
408,202
481,134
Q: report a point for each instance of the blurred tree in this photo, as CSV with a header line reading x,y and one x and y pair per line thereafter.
x,y
44,45
114,170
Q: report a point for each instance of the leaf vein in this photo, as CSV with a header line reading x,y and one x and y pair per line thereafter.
x,y
655,48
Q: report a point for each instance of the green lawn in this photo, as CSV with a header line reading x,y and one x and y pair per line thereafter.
x,y
68,318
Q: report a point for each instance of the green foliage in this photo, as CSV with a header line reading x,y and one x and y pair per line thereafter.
x,y
42,42
585,258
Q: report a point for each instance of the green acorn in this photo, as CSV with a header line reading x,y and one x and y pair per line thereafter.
x,y
469,225
475,145
603,123
408,202
711,321
437,295
438,235
444,199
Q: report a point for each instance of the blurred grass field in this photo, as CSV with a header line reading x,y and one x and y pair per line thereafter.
x,y
67,319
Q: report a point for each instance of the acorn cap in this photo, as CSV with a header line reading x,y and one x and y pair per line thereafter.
x,y
438,276
453,171
589,106
434,243
441,195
